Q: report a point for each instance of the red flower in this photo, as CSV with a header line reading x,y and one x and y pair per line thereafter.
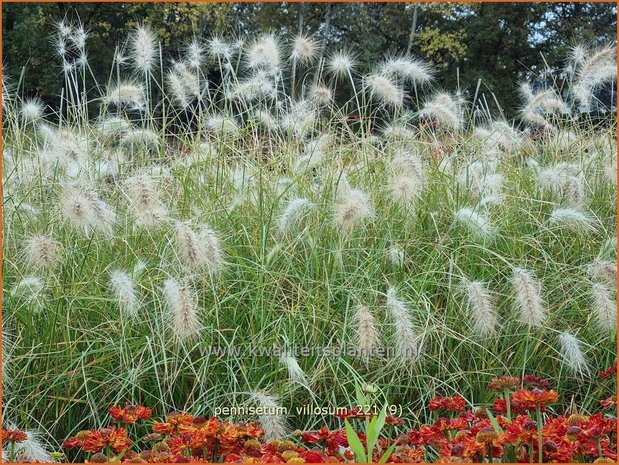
x,y
356,412
310,437
609,372
504,382
130,414
535,382
116,439
521,430
394,421
163,428
13,435
609,402
454,404
499,406
535,396
311,456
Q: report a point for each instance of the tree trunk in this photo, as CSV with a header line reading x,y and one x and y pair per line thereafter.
x,y
327,23
302,7
413,28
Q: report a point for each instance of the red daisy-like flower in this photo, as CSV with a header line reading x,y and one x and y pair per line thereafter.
x,y
130,414
503,382
609,372
115,438
13,435
609,402
453,404
535,396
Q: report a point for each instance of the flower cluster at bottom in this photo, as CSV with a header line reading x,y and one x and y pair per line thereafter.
x,y
518,428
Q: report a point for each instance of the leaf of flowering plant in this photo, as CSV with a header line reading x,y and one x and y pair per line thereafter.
x,y
387,454
355,443
361,399
495,423
374,428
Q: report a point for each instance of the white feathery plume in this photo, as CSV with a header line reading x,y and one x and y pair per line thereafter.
x,y
409,163
384,90
212,250
79,36
598,68
258,86
266,119
31,110
42,251
573,219
300,119
405,189
264,53
341,63
478,224
219,48
189,244
444,110
144,200
604,308
481,306
396,256
190,80
604,271
62,146
177,90
397,133
183,311
539,105
143,49
141,139
194,53
200,251
407,341
83,209
223,125
490,184
572,353
320,94
125,292
528,297
30,288
126,94
408,69
7,350
500,135
295,372
113,126
366,332
273,422
293,214
353,208
304,49
33,449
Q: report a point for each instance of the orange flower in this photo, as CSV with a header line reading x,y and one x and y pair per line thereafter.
x,y
130,414
535,396
162,427
609,402
116,439
503,383
13,435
